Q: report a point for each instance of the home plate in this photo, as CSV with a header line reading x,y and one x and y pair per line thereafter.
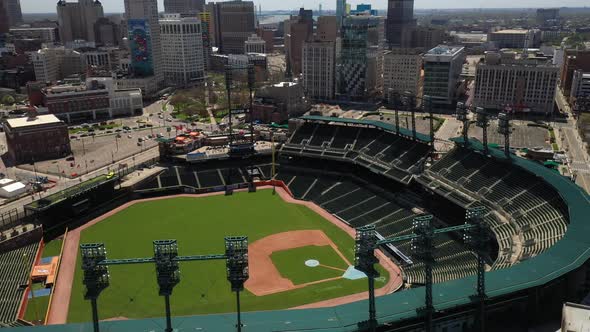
x,y
312,263
353,274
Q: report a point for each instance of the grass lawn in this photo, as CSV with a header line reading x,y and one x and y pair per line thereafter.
x,y
200,225
37,308
291,264
53,248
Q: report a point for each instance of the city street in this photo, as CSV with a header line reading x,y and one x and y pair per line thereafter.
x,y
577,156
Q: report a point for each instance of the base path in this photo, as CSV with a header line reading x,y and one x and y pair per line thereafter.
x,y
265,279
58,312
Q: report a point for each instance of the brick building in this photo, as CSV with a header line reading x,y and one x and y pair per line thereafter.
x,y
36,138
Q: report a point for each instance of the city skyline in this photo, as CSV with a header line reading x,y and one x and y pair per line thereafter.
x,y
115,6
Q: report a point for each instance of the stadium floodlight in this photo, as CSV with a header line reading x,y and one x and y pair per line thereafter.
x,y
423,248
504,129
167,272
461,115
96,276
477,237
482,121
427,106
409,102
236,253
364,261
251,82
396,104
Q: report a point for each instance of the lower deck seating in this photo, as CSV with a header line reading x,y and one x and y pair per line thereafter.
x,y
15,267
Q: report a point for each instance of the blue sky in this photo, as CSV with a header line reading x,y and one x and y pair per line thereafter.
x,y
48,6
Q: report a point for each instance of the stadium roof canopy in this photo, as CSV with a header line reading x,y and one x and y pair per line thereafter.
x,y
566,255
374,123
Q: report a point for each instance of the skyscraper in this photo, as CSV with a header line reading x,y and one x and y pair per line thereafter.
x,y
13,10
359,64
182,49
186,7
319,69
144,38
298,29
234,23
400,22
340,11
76,19
4,26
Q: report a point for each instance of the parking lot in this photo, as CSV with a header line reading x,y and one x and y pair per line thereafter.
x,y
522,136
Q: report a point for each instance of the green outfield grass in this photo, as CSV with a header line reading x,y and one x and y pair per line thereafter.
x,y
291,264
200,225
53,248
36,309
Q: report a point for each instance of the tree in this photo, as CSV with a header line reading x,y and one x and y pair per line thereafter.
x,y
8,100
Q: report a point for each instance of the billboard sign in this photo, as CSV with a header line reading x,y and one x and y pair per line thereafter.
x,y
140,44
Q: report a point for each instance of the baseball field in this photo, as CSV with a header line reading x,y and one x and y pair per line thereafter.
x,y
297,257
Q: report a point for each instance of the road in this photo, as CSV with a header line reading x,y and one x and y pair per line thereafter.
x,y
66,183
578,158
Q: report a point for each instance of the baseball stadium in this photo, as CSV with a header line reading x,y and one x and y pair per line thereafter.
x,y
350,225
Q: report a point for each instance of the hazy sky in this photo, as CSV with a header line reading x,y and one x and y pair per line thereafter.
x,y
48,6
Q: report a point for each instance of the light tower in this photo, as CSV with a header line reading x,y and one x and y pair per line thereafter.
x,y
461,115
423,247
397,103
236,253
96,276
504,129
167,272
228,85
477,238
483,122
251,82
427,105
409,102
364,261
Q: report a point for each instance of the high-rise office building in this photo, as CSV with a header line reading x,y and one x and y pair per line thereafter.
x,y
402,71
522,84
4,23
442,67
547,16
340,11
76,19
144,39
319,69
182,50
234,23
400,22
185,7
298,29
359,65
206,26
13,10
327,28
106,32
255,44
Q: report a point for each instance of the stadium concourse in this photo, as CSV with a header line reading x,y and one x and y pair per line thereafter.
x,y
366,172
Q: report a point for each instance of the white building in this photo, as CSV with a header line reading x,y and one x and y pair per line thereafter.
x,y
255,44
402,71
46,65
182,50
319,70
527,85
580,84
442,69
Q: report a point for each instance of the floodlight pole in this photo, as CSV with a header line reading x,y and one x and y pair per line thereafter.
x,y
396,106
94,305
411,104
483,123
228,84
461,115
364,261
504,129
427,100
251,82
236,253
96,277
423,246
477,237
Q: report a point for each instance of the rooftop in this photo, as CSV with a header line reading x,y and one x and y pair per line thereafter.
x,y
512,31
29,121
